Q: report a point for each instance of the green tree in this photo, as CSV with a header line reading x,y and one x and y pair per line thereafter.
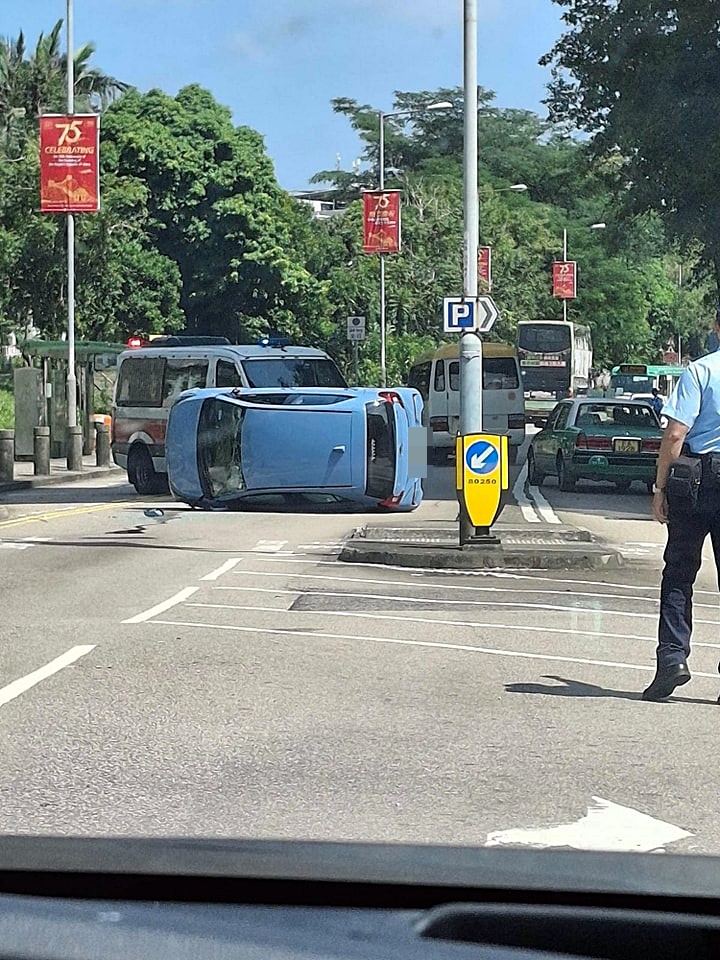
x,y
244,248
35,82
626,293
642,78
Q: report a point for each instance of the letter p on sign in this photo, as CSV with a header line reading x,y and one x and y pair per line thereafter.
x,y
458,314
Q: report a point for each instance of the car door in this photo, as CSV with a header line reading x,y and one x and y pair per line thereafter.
x,y
563,437
543,447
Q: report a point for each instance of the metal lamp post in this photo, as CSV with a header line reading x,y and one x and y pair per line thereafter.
x,y
382,117
71,379
593,226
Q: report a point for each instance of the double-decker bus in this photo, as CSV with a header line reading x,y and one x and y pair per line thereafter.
x,y
555,360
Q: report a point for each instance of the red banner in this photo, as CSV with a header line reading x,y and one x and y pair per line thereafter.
x,y
69,163
381,221
565,279
485,266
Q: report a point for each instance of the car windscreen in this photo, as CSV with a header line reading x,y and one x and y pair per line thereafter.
x,y
292,372
218,448
380,450
544,338
631,384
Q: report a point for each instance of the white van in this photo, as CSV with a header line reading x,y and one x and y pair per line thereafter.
x,y
437,376
151,377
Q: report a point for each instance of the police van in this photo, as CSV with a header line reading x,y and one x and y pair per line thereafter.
x,y
436,375
152,375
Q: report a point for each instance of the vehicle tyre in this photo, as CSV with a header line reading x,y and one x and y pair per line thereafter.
x,y
566,481
622,486
141,471
535,478
513,453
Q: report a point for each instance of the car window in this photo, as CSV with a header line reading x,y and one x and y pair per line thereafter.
x,y
454,374
294,399
419,378
500,373
380,450
182,374
623,414
227,374
292,372
140,382
553,417
439,384
218,447
562,417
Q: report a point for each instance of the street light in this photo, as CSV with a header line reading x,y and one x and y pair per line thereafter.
x,y
601,225
382,117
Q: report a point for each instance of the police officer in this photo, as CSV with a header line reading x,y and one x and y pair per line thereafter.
x,y
693,428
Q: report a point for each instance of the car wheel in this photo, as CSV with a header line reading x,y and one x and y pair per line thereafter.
x,y
566,481
141,472
535,478
622,486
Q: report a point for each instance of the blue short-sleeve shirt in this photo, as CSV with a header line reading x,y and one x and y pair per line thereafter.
x,y
695,401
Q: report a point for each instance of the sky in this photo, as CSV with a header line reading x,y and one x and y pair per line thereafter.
x,y
278,63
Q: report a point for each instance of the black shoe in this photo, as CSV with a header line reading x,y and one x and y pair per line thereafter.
x,y
665,681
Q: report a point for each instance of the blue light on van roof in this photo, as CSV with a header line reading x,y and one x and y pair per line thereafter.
x,y
273,342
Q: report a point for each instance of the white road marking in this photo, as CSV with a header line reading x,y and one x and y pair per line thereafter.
x,y
162,607
224,568
490,574
422,643
14,689
543,507
454,586
518,491
268,546
324,548
14,545
403,618
473,603
605,826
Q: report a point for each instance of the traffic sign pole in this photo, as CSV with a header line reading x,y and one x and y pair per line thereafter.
x,y
471,420
356,333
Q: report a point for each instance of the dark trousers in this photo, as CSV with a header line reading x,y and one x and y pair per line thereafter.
x,y
683,555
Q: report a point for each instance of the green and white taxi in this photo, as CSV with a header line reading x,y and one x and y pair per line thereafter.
x,y
597,439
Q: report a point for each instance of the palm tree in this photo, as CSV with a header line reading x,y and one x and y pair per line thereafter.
x,y
36,83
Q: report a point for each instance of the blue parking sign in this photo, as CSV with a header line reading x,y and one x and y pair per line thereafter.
x,y
458,314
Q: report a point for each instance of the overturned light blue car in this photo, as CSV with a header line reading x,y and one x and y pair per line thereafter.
x,y
358,445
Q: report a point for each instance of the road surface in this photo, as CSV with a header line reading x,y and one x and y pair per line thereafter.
x,y
222,674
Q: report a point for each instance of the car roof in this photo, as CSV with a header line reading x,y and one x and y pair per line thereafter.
x,y
618,401
245,351
451,351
